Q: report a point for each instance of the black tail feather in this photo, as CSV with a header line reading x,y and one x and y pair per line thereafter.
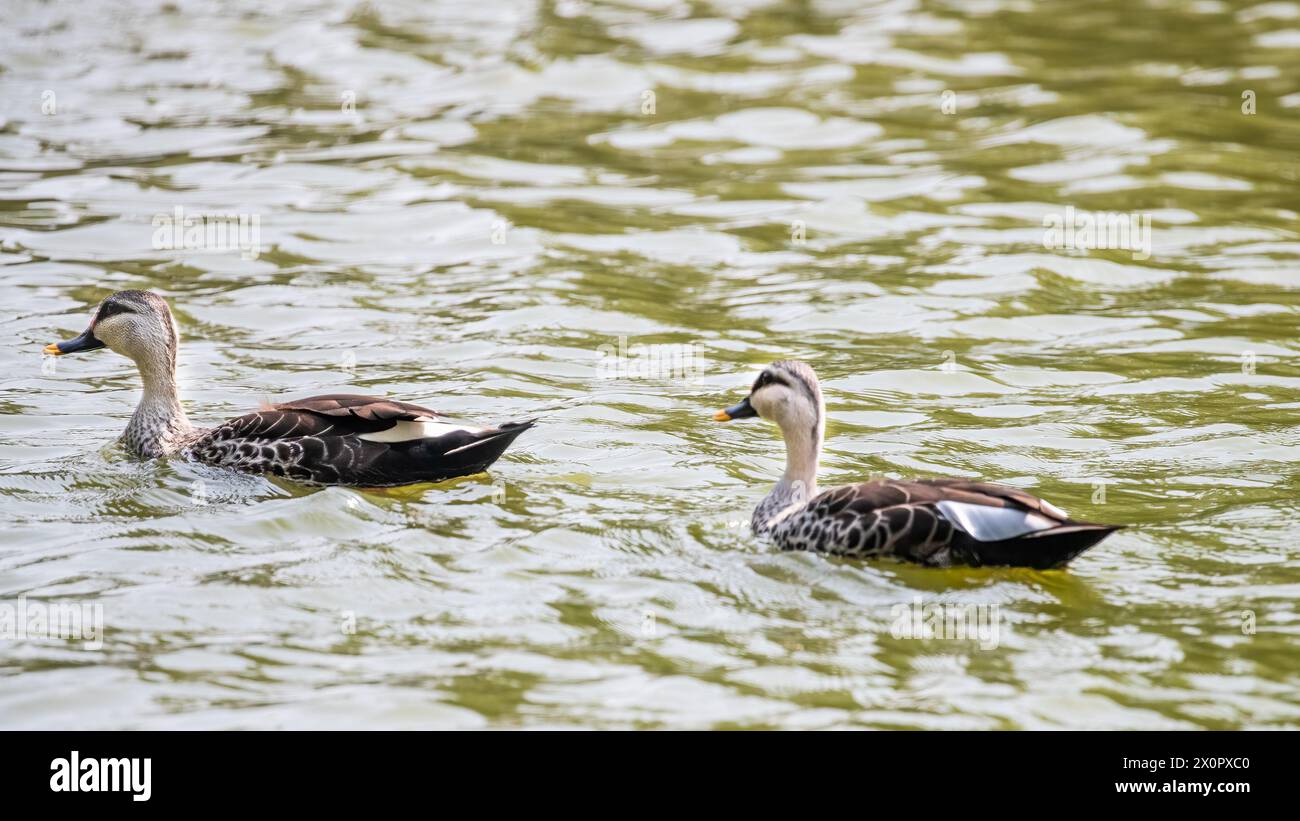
x,y
1044,549
475,456
433,460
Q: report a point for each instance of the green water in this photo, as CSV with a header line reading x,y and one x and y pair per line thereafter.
x,y
515,185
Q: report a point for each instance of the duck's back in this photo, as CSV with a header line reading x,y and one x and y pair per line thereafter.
x,y
938,522
347,439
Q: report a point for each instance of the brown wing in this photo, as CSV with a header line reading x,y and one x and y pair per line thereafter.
x,y
903,518
883,517
886,493
983,493
368,408
333,415
318,440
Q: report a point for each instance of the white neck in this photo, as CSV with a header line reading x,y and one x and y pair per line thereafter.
x,y
803,446
159,421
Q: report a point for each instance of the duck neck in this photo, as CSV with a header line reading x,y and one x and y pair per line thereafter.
x,y
798,484
159,422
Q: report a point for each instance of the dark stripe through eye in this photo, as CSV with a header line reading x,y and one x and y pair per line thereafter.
x,y
110,309
767,378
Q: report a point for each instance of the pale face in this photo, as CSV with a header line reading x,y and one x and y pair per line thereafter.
x,y
774,397
786,393
788,399
136,324
138,329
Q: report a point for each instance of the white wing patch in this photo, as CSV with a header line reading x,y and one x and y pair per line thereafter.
x,y
1053,509
993,524
406,430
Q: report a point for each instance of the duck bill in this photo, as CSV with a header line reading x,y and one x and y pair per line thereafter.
x,y
87,341
741,410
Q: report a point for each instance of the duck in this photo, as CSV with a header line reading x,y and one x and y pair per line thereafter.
x,y
335,439
937,522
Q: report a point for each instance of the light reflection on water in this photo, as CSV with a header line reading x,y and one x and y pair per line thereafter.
x,y
460,203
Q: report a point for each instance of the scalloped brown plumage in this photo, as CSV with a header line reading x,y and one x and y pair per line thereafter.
x,y
903,518
321,440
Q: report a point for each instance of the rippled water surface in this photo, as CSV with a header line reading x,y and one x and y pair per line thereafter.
x,y
459,203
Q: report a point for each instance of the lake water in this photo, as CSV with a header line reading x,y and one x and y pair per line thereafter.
x,y
468,204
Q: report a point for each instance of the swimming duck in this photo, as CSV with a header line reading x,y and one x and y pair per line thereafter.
x,y
936,522
339,439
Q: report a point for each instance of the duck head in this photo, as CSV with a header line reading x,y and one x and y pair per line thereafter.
x,y
787,393
135,324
